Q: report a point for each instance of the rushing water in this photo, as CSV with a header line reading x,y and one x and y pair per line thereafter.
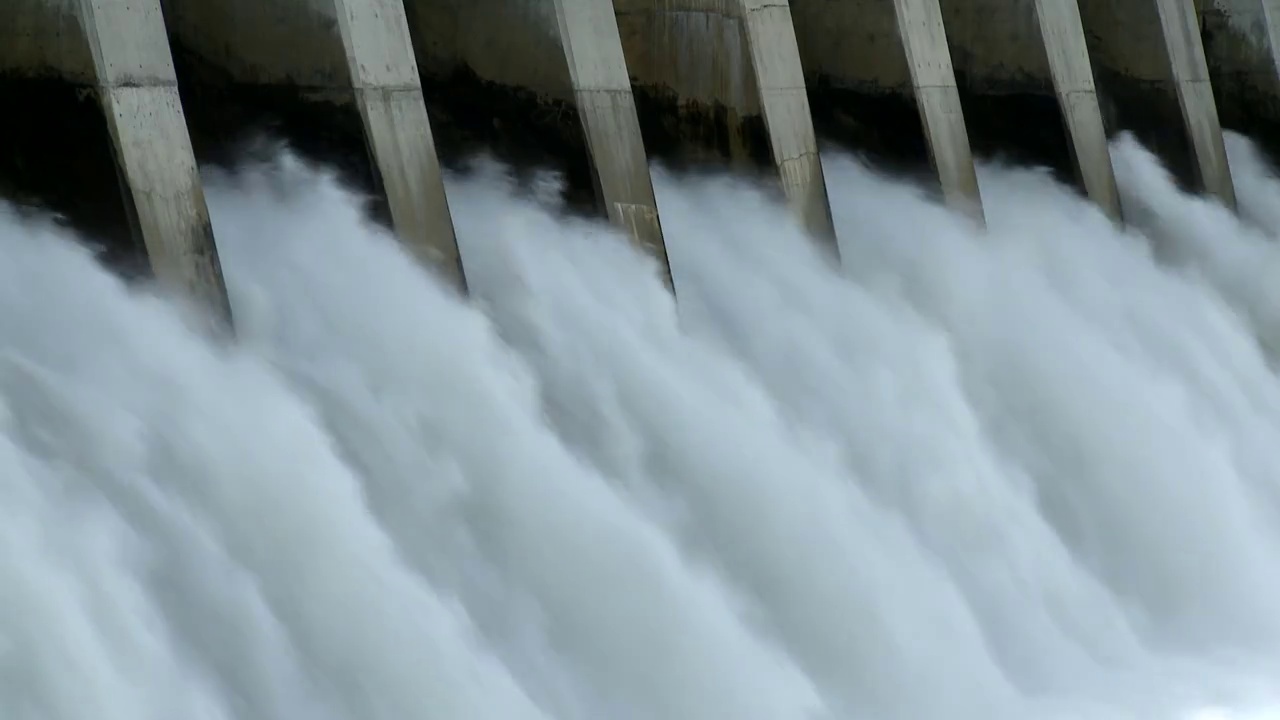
x,y
1029,472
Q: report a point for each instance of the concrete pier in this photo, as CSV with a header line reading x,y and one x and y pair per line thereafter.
x,y
1010,54
1062,33
924,39
120,52
557,64
895,47
1151,65
1242,47
339,53
730,70
602,90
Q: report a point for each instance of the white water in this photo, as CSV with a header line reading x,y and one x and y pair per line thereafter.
x,y
1026,473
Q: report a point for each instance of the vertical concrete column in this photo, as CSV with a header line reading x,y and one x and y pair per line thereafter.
x,y
784,102
555,70
728,72
388,93
924,39
607,111
1181,30
1072,73
1151,67
139,93
336,55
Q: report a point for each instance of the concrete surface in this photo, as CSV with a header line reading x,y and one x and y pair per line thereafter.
x,y
388,93
784,101
340,51
1242,47
895,47
1150,58
607,109
1009,53
731,61
924,39
120,49
44,38
555,53
1181,29
1062,33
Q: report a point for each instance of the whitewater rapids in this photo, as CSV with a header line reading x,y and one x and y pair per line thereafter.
x,y
1025,473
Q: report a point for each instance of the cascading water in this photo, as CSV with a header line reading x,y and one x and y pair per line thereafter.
x,y
1029,472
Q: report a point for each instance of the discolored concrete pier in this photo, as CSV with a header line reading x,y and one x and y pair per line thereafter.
x,y
556,65
727,74
1151,67
876,48
117,52
1027,76
337,55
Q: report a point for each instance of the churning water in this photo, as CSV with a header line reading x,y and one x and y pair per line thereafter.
x,y
1026,473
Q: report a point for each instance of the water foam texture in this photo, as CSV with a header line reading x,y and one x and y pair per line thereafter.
x,y
1016,473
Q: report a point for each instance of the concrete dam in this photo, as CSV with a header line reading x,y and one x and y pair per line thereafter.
x,y
639,360
130,95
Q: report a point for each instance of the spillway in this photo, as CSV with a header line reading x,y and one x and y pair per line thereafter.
x,y
669,360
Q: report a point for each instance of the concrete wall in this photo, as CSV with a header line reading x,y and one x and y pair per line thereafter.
x,y
557,53
265,42
732,62
1037,48
347,52
44,38
1242,41
1150,62
894,47
122,52
514,43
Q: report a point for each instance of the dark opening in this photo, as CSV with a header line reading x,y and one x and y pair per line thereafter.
x,y
231,123
56,157
528,132
1151,112
882,127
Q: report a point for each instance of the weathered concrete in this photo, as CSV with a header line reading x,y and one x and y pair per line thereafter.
x,y
1151,64
1007,50
1064,44
119,49
602,88
345,52
929,58
727,62
1242,47
559,57
895,47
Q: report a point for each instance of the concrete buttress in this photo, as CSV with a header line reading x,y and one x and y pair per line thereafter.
x,y
388,93
607,110
139,93
118,50
721,66
349,53
1011,55
546,73
928,56
784,100
1073,84
1151,65
894,48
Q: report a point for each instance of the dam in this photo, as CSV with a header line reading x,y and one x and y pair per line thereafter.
x,y
639,360
158,86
